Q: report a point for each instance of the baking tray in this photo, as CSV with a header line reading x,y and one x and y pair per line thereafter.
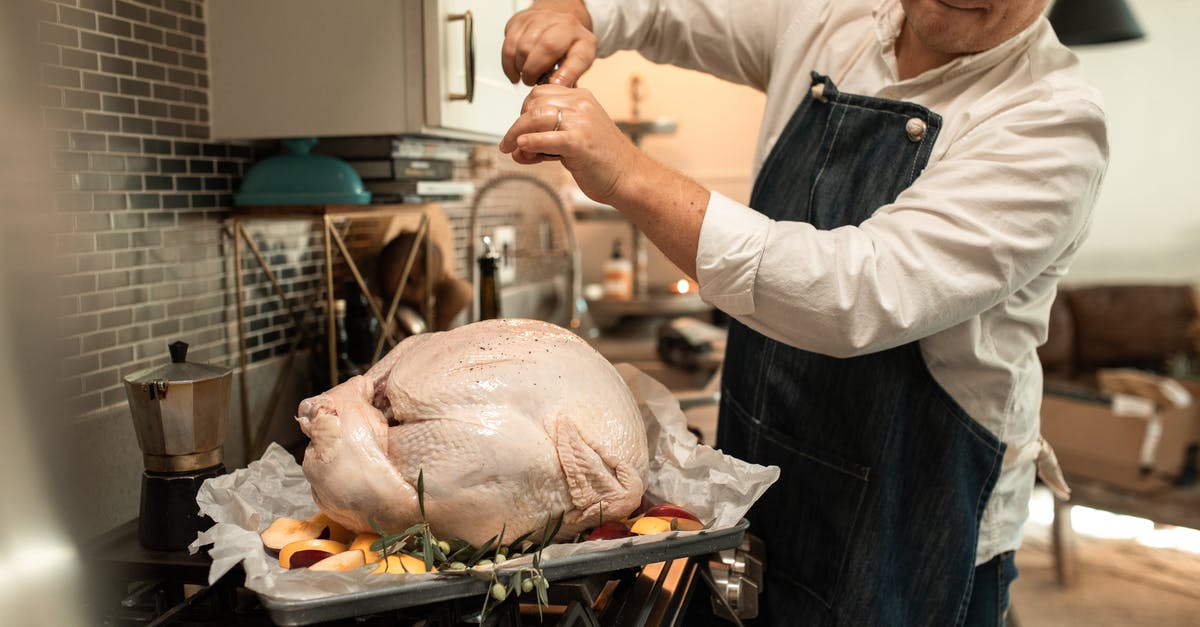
x,y
445,588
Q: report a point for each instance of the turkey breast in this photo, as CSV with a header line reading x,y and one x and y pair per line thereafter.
x,y
511,421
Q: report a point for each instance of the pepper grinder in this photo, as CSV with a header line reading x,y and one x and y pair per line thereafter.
x,y
489,283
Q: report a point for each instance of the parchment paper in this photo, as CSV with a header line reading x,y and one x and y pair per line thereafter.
x,y
716,487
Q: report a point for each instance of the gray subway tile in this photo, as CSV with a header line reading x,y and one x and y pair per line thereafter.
x,y
133,87
57,34
70,243
182,7
141,164
180,77
101,380
118,104
145,201
60,76
164,128
116,65
110,280
113,26
103,122
118,318
180,42
191,27
71,160
120,143
116,357
101,6
183,112
137,125
89,182
128,220
72,201
147,34
189,183
215,150
157,146
147,238
189,149
132,296
165,20
108,163
125,181
97,42
130,11
94,262
80,59
75,17
80,364
112,241
167,92
85,222
166,56
100,82
173,165
96,302
130,335
108,202
175,201
151,71
151,107
81,99
149,313
158,182
196,131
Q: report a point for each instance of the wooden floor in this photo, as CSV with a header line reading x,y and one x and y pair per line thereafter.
x,y
1118,583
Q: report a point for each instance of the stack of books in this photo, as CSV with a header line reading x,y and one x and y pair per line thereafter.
x,y
404,170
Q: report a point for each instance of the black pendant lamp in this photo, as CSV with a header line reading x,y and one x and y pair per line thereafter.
x,y
1083,22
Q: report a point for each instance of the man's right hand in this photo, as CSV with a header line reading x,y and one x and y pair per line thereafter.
x,y
549,32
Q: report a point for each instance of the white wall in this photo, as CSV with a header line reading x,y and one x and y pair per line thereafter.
x,y
1147,222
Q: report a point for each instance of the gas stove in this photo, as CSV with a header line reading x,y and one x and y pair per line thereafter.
x,y
133,585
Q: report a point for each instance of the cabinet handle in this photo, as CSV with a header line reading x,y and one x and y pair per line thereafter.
x,y
469,39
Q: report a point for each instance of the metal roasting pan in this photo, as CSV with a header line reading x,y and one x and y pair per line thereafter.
x,y
444,588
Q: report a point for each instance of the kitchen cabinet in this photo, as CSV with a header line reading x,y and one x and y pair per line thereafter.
x,y
323,68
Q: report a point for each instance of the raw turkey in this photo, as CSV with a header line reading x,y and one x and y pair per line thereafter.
x,y
511,421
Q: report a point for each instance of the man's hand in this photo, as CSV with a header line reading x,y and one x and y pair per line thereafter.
x,y
549,32
587,141
668,206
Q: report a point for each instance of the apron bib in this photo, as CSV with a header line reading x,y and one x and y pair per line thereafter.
x,y
875,518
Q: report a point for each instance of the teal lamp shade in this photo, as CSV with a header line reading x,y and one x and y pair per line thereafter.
x,y
301,178
1086,22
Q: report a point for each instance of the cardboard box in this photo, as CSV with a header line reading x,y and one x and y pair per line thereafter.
x,y
1093,440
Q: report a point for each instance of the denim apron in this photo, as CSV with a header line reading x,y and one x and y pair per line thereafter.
x,y
875,517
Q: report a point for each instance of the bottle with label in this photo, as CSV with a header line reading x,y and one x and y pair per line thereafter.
x,y
618,275
489,282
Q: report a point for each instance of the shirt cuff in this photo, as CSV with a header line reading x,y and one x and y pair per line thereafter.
x,y
732,239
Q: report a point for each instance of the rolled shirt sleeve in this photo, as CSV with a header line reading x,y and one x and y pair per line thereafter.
x,y
1005,201
721,37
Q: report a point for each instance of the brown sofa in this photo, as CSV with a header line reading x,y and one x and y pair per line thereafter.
x,y
1096,335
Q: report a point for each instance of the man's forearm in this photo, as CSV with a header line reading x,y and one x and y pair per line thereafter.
x,y
667,206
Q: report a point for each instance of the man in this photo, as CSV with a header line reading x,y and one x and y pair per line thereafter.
x,y
926,172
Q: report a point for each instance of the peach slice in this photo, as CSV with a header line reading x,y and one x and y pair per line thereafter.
x,y
397,563
285,531
346,560
305,553
362,542
337,533
649,525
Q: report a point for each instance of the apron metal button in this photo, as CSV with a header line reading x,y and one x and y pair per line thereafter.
x,y
915,127
818,92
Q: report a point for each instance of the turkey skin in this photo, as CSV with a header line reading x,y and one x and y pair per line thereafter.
x,y
510,422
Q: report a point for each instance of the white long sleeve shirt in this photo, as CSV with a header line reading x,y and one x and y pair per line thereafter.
x,y
966,261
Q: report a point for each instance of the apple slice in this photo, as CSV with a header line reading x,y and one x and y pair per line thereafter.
x,y
337,533
346,560
285,531
667,510
611,530
305,553
397,563
362,542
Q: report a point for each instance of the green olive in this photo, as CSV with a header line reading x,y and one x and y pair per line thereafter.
x,y
498,591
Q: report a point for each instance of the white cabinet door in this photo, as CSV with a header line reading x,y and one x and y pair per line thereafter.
x,y
466,92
